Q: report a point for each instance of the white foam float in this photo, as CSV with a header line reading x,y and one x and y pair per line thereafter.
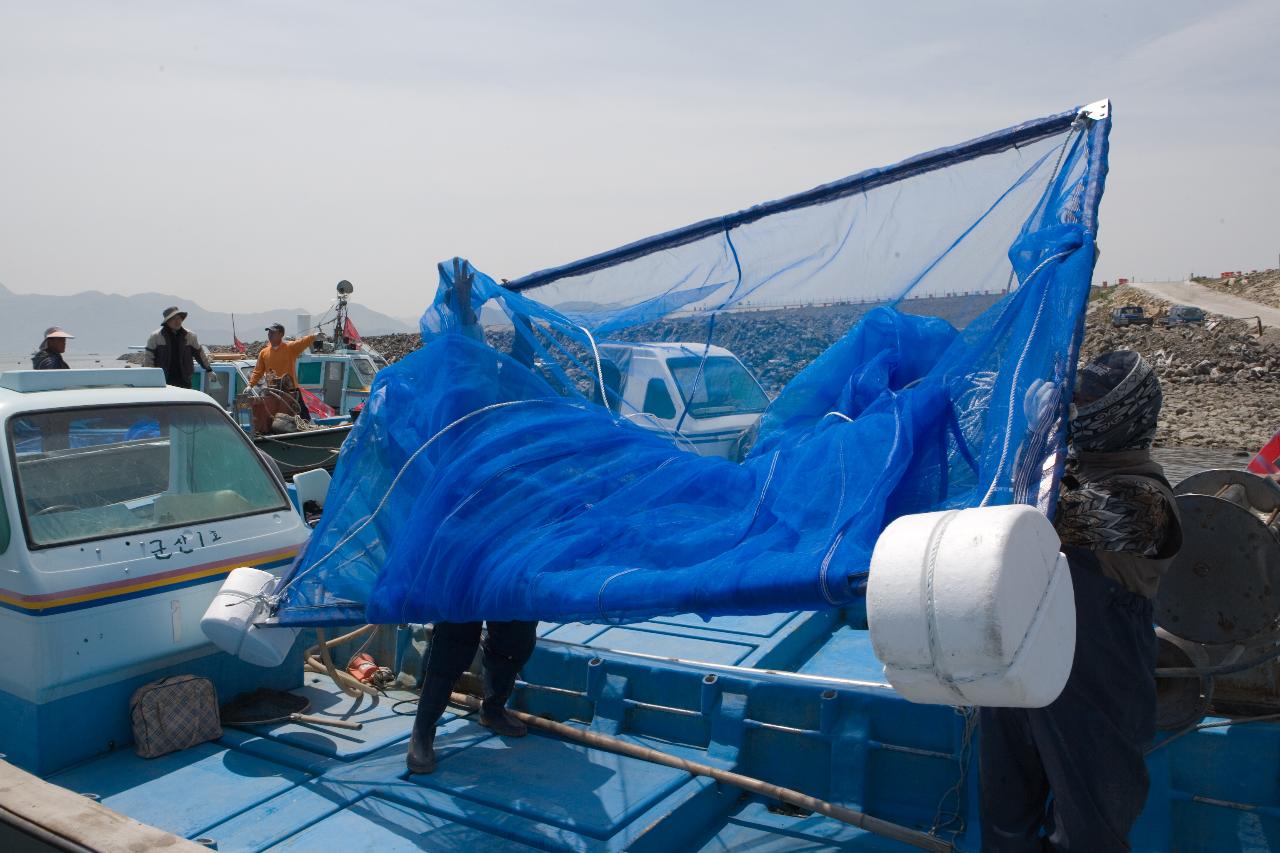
x,y
312,486
973,607
229,621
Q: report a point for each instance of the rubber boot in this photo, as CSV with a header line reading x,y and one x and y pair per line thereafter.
x,y
431,705
499,681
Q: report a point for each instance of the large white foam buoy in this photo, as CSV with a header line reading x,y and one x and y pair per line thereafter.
x,y
229,621
973,607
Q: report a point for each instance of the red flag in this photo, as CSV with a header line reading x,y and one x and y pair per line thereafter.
x,y
1264,462
349,332
317,407
235,339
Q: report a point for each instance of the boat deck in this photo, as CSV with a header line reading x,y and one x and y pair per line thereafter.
x,y
830,728
829,643
300,787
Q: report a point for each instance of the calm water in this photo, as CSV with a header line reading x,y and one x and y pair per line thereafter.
x,y
22,361
1181,462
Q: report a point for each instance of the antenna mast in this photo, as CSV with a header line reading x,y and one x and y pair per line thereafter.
x,y
345,289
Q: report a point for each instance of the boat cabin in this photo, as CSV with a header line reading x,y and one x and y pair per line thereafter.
x,y
341,379
702,396
124,504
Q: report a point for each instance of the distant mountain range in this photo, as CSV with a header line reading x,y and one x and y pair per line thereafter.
x,y
109,323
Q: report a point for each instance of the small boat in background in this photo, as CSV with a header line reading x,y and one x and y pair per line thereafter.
x,y
335,376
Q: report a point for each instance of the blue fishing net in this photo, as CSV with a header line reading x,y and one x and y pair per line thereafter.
x,y
721,419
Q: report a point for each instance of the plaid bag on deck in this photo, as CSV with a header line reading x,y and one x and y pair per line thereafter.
x,y
174,713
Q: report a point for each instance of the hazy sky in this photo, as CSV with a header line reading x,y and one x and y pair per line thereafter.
x,y
250,154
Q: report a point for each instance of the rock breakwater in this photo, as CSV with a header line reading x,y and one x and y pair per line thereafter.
x,y
1220,380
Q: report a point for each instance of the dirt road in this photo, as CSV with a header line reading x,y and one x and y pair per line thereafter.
x,y
1213,301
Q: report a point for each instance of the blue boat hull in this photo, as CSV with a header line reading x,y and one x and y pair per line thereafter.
x,y
834,730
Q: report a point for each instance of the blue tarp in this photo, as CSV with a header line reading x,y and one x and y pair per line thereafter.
x,y
485,479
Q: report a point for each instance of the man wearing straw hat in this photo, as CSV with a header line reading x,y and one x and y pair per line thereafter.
x,y
175,350
49,356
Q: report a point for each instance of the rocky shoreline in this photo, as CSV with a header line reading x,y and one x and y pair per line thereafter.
x,y
774,344
1221,381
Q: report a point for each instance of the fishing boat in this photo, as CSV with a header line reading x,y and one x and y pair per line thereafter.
x,y
307,449
335,376
772,728
126,504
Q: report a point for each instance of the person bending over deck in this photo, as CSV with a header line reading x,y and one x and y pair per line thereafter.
x,y
49,356
1072,776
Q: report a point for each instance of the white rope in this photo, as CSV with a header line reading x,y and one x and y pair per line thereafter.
x,y
970,716
940,672
1017,373
604,395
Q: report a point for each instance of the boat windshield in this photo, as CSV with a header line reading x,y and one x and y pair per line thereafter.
x,y
364,369
724,388
93,473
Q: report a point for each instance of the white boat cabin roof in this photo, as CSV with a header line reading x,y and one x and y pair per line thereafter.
x,y
668,350
41,390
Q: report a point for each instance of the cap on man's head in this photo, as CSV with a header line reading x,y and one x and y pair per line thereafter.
x,y
56,332
174,311
276,327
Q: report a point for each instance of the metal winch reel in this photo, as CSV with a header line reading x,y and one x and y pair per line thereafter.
x,y
1219,604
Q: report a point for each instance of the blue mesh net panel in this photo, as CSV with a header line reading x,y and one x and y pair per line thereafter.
x,y
721,419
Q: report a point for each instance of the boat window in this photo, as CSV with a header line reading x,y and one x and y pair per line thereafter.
x,y
724,388
4,526
93,473
216,385
362,374
309,372
657,400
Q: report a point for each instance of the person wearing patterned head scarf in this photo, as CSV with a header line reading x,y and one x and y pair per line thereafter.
x,y
1114,501
1072,775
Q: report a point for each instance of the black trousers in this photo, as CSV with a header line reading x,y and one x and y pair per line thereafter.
x,y
1072,776
303,411
507,648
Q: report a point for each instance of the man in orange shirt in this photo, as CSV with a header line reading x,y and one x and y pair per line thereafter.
x,y
281,358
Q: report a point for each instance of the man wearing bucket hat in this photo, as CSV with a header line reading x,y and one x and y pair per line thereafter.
x,y
1072,775
49,356
175,350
